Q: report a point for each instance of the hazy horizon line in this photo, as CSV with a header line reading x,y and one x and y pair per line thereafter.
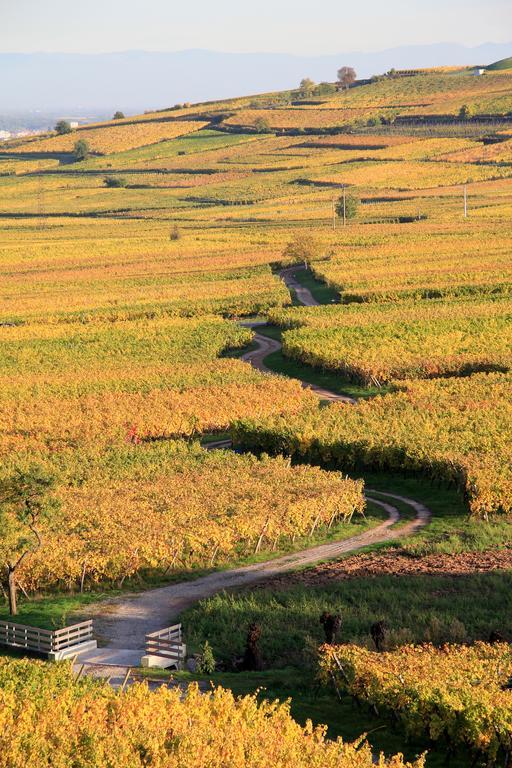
x,y
255,52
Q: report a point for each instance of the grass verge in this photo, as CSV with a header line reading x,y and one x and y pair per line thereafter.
x,y
294,369
320,291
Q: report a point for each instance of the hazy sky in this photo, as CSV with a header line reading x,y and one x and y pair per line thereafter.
x,y
290,26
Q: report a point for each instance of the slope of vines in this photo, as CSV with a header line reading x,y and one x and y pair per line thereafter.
x,y
49,719
458,695
457,430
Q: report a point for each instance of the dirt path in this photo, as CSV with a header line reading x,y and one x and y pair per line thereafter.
x,y
303,294
265,346
122,623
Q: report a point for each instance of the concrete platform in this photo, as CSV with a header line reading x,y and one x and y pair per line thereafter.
x,y
160,662
113,657
75,650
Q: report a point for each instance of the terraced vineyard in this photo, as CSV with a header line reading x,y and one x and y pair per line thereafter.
x,y
380,343
131,285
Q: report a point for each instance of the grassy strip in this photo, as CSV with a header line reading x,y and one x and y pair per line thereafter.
x,y
450,530
416,607
294,369
320,291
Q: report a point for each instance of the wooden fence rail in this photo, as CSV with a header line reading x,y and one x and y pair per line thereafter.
x,y
166,644
44,640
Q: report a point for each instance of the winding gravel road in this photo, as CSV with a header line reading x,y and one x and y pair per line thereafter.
x,y
122,623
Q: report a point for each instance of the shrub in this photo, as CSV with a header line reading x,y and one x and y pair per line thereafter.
x,y
81,150
262,125
206,662
115,181
118,115
63,127
465,112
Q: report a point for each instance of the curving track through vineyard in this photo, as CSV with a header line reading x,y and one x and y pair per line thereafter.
x,y
122,623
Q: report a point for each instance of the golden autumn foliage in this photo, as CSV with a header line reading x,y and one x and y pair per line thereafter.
x,y
49,719
423,260
163,506
456,694
378,343
73,384
457,430
107,295
116,138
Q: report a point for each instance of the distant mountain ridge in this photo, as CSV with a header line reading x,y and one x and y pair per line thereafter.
x,y
138,80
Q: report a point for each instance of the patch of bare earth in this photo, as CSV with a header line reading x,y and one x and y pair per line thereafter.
x,y
396,563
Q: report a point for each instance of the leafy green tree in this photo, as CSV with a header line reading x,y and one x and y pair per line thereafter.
x,y
303,248
26,502
347,206
63,127
81,150
262,125
118,115
306,88
325,89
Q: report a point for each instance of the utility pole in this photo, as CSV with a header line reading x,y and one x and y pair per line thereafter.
x,y
465,201
40,201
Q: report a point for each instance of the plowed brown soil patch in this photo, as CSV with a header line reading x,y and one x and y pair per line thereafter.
x,y
396,563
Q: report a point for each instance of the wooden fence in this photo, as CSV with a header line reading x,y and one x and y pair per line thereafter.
x,y
168,644
44,640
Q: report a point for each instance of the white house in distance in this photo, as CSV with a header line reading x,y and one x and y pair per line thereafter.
x,y
479,71
5,135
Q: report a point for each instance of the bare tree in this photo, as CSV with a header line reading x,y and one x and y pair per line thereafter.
x,y
25,503
346,77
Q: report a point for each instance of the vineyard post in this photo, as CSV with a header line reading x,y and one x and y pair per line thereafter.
x,y
465,201
344,206
334,214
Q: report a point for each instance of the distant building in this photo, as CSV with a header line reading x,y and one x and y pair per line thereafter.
x,y
5,135
479,71
74,123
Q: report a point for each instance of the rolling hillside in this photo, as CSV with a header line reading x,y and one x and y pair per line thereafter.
x,y
144,266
